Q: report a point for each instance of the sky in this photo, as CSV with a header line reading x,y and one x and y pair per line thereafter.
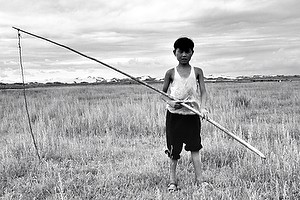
x,y
232,37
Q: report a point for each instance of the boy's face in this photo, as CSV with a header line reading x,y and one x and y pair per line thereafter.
x,y
183,56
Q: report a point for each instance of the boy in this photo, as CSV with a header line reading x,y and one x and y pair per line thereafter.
x,y
185,84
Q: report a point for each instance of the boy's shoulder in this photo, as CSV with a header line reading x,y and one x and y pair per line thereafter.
x,y
170,72
198,70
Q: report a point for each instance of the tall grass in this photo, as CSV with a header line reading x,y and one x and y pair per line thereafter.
x,y
107,142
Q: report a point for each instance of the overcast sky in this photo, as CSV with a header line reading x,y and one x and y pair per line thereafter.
x,y
232,37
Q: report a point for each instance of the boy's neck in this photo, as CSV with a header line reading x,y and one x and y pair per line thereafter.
x,y
184,70
184,66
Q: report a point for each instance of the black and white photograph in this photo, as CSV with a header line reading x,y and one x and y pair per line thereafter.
x,y
150,99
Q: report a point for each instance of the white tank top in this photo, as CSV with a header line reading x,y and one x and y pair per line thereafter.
x,y
185,89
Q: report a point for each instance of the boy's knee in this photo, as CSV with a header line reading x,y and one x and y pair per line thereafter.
x,y
195,154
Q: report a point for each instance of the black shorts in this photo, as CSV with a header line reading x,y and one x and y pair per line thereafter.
x,y
182,129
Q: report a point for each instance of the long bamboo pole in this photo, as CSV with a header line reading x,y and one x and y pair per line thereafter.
x,y
243,142
250,147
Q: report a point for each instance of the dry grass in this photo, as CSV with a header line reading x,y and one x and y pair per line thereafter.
x,y
107,142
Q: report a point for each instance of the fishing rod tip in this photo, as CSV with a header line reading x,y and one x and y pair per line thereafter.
x,y
263,156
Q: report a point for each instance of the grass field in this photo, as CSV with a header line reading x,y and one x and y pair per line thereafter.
x,y
108,142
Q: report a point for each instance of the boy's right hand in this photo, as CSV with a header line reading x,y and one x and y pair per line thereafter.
x,y
175,104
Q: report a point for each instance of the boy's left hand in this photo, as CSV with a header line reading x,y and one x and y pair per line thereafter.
x,y
204,113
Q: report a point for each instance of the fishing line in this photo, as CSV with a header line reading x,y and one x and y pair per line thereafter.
x,y
25,98
240,140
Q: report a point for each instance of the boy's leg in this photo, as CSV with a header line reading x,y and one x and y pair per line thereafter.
x,y
174,142
195,155
173,165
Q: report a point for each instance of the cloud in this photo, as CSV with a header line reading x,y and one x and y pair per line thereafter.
x,y
233,36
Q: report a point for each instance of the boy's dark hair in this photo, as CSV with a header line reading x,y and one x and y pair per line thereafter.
x,y
184,44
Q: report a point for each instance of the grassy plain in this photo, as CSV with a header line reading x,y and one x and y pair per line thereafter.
x,y
108,142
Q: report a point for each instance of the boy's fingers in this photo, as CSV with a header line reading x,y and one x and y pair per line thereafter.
x,y
174,104
204,113
178,105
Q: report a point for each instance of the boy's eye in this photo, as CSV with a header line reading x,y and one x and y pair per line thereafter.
x,y
186,51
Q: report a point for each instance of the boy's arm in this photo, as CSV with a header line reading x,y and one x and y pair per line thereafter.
x,y
203,95
167,80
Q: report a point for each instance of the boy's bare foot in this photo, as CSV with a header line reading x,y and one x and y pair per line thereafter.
x,y
173,187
